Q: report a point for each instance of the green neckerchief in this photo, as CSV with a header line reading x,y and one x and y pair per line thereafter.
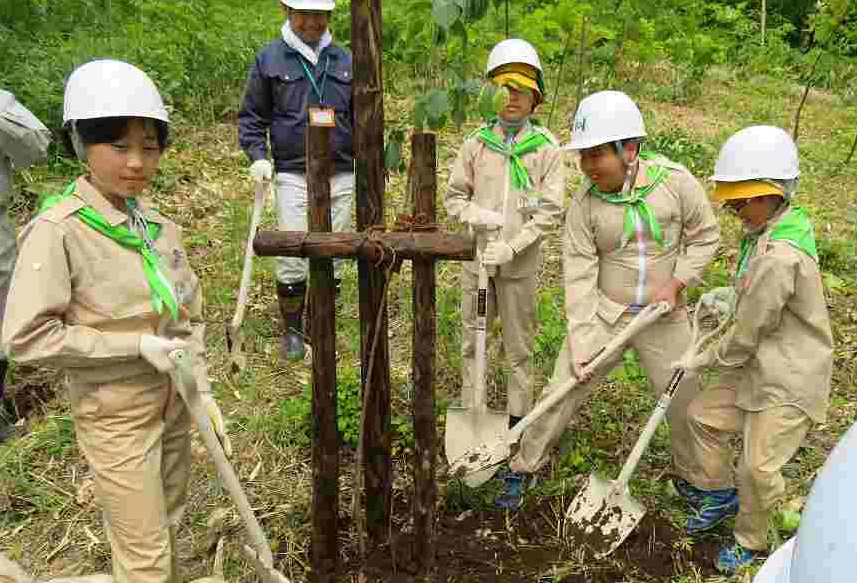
x,y
531,142
162,290
636,205
794,228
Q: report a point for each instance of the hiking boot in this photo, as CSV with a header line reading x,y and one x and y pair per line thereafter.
x,y
514,486
291,298
733,557
715,507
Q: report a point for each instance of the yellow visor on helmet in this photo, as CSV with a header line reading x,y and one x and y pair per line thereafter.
x,y
520,76
724,191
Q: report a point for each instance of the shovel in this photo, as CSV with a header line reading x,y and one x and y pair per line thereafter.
x,y
234,339
468,427
260,550
477,463
603,514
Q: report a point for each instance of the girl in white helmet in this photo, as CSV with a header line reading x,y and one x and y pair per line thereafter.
x,y
775,361
638,232
508,184
103,289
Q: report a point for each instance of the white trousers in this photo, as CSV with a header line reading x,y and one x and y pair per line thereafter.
x,y
292,216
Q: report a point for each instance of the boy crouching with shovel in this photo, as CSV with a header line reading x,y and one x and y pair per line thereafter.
x,y
507,184
775,362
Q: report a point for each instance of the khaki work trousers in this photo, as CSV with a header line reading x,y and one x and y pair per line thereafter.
x,y
136,438
661,344
514,300
770,439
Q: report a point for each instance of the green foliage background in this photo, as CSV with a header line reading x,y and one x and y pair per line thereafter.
x,y
198,51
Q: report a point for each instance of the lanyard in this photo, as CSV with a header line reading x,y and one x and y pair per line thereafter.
x,y
319,92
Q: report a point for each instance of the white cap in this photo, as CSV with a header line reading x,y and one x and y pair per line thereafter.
x,y
603,118
757,152
109,88
825,547
320,5
513,50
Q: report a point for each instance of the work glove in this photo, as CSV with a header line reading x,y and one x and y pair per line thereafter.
x,y
697,362
216,419
477,216
721,300
497,253
156,350
261,170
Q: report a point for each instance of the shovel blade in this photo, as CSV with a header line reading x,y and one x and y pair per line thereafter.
x,y
602,516
474,439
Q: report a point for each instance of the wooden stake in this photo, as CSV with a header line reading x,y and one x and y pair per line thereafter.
x,y
325,438
368,141
423,148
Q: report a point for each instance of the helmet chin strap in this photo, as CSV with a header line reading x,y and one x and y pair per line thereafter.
x,y
631,165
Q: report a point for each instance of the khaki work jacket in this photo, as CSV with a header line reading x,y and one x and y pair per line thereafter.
x,y
80,302
602,279
781,337
481,176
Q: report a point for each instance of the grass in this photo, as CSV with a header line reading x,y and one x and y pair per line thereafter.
x,y
49,522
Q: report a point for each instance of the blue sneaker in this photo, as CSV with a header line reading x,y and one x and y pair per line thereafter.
x,y
514,485
692,495
715,507
733,557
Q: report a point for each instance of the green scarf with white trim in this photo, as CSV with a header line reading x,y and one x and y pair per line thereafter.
x,y
163,294
636,205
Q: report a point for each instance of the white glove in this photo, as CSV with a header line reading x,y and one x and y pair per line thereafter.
x,y
697,362
721,300
497,253
261,170
156,350
217,421
479,217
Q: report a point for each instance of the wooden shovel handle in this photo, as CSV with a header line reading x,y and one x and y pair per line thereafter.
x,y
647,316
185,383
247,271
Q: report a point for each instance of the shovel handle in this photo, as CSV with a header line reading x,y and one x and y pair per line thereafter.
x,y
247,270
666,398
185,383
647,316
480,397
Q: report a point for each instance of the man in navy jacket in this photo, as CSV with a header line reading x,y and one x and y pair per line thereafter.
x,y
301,70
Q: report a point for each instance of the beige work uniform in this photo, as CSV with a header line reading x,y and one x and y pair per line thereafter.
x,y
79,301
602,282
481,177
777,360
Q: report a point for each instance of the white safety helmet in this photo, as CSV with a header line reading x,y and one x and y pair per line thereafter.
x,y
513,50
605,117
756,153
825,547
109,88
313,5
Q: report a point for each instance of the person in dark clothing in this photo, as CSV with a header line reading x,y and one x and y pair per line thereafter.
x,y
291,75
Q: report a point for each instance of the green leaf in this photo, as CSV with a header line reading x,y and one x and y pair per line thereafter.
x,y
789,520
445,12
393,159
485,103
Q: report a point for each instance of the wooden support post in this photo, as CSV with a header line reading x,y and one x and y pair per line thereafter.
x,y
368,142
423,149
325,438
406,245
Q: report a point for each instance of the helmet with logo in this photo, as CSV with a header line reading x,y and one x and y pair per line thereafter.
x,y
605,117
